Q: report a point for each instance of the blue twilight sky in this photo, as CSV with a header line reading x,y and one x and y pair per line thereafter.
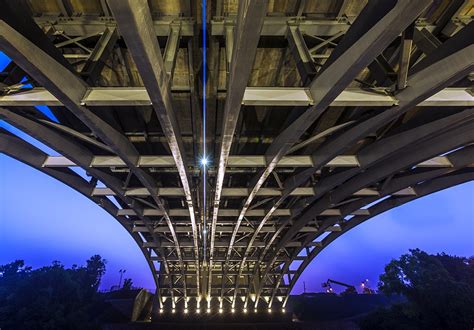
x,y
42,220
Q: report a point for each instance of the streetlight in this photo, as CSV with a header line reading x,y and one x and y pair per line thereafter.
x,y
121,271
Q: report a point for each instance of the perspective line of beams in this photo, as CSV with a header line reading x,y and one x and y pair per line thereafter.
x,y
254,96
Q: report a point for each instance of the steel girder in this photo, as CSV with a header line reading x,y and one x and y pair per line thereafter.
x,y
134,20
247,33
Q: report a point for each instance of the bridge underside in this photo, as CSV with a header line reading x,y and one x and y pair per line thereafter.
x,y
320,116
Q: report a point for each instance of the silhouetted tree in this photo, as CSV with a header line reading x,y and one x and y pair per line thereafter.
x,y
50,297
127,284
438,288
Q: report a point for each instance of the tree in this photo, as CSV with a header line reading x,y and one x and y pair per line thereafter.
x,y
51,297
127,284
438,288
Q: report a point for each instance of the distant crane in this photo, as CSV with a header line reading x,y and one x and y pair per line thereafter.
x,y
366,288
350,289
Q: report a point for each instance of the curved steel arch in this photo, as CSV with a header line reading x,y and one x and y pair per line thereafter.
x,y
377,152
459,160
134,18
24,152
457,137
425,188
82,157
416,180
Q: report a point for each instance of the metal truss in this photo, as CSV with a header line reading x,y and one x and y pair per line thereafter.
x,y
314,127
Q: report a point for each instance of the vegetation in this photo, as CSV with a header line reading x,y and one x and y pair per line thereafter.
x,y
434,291
52,297
439,290
127,284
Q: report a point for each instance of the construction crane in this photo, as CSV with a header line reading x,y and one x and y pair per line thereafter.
x,y
350,289
366,288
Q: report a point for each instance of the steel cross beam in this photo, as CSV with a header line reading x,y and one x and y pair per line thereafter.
x,y
70,89
247,34
272,26
272,192
135,21
367,37
253,96
253,161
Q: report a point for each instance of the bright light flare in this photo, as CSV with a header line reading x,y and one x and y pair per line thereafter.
x,y
204,161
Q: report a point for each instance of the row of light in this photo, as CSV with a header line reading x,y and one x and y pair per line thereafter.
x,y
208,310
